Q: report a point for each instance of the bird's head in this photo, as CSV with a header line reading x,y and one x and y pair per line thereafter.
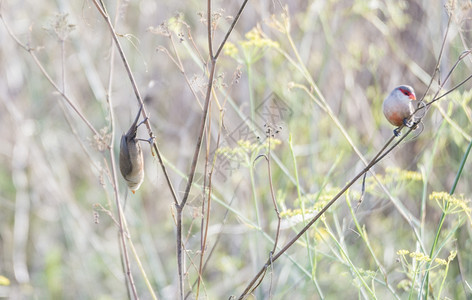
x,y
405,91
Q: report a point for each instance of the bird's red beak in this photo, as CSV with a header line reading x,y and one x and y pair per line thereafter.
x,y
412,97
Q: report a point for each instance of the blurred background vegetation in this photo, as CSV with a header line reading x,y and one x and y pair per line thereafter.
x,y
314,72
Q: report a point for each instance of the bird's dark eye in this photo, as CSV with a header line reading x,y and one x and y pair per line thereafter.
x,y
405,92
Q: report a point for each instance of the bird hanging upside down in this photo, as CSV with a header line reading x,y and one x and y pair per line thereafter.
x,y
131,157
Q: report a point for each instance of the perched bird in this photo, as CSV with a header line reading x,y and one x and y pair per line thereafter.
x,y
398,106
131,157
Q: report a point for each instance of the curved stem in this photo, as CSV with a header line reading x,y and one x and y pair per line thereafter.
x,y
380,155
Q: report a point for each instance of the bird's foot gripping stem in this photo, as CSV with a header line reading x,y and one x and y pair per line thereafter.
x,y
142,122
397,132
408,124
412,123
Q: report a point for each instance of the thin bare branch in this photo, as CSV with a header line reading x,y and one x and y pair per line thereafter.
x,y
213,60
379,156
259,276
436,68
236,19
105,15
51,81
209,32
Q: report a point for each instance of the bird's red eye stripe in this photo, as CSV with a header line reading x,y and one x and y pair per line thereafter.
x,y
408,93
405,92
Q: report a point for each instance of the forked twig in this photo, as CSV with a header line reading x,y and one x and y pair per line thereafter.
x,y
212,61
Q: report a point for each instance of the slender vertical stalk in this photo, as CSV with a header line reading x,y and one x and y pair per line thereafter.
x,y
212,61
425,283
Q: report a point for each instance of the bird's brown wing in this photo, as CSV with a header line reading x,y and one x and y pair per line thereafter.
x,y
125,160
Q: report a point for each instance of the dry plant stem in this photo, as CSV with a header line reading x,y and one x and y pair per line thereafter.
x,y
179,250
113,166
274,201
45,73
209,31
277,213
204,114
138,261
436,97
190,38
180,65
215,244
180,206
203,230
276,209
450,91
101,8
74,107
325,106
63,66
238,15
380,155
202,268
436,69
120,222
123,250
207,221
178,62
213,60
